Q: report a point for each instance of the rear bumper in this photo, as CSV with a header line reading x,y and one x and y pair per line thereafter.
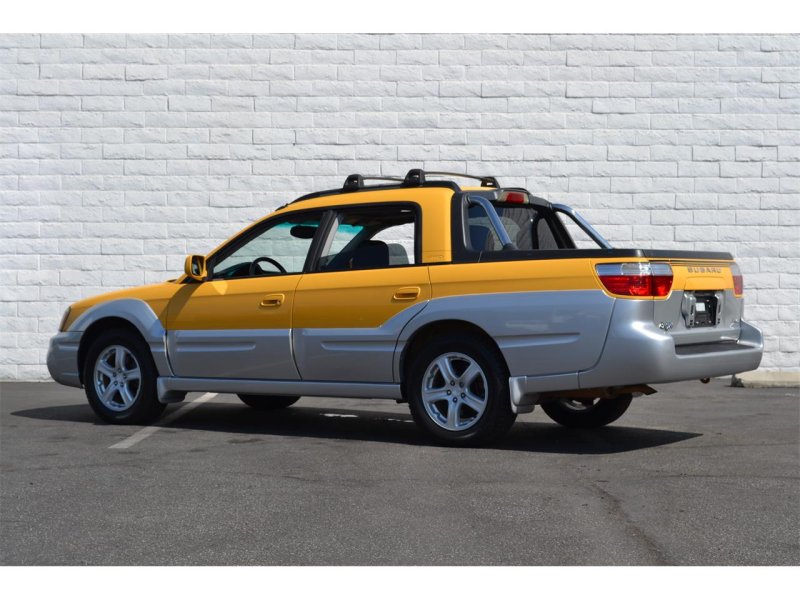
x,y
638,352
648,355
62,358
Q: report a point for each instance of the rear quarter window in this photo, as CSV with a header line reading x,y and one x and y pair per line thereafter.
x,y
528,226
579,237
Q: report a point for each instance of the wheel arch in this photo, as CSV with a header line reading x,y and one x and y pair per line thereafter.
x,y
95,330
436,329
129,314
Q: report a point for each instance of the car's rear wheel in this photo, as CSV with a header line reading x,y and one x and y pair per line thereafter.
x,y
260,402
458,391
120,378
572,412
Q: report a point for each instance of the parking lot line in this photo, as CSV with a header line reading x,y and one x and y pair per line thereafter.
x,y
146,432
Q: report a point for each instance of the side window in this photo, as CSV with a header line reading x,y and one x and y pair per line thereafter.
x,y
527,227
281,248
480,231
371,238
545,238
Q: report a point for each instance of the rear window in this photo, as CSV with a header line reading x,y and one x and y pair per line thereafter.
x,y
528,226
371,238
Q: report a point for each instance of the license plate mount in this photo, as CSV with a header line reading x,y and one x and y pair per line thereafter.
x,y
702,308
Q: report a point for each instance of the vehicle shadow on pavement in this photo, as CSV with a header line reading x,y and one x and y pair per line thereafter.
x,y
378,426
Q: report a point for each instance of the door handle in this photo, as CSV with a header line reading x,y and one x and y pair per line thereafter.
x,y
272,300
406,293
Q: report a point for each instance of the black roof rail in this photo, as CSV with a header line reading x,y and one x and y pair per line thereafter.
x,y
414,178
486,180
356,182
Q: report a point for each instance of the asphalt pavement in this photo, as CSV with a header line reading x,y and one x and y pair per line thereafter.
x,y
695,475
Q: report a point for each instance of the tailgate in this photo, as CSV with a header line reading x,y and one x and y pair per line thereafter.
x,y
704,305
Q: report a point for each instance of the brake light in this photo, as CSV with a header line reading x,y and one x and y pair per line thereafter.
x,y
513,197
636,279
738,280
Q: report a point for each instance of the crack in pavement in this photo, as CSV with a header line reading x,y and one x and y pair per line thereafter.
x,y
657,554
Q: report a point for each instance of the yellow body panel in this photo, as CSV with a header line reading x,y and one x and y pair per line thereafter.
x,y
701,274
250,303
512,276
563,274
369,298
156,295
366,298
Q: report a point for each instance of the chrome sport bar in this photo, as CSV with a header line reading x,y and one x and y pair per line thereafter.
x,y
583,224
494,219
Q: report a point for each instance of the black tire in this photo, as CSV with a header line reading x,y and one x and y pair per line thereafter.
x,y
145,407
268,402
601,412
496,417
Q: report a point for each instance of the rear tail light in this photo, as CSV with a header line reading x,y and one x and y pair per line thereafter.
x,y
738,280
636,279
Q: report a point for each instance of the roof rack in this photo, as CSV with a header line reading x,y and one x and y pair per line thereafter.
x,y
486,181
414,178
356,182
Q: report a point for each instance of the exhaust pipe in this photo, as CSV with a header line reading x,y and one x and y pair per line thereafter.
x,y
607,392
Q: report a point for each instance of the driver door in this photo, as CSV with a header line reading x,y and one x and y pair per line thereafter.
x,y
237,323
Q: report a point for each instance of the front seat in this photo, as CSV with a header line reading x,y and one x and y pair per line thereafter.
x,y
397,254
372,254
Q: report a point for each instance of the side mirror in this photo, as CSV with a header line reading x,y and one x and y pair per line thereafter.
x,y
195,267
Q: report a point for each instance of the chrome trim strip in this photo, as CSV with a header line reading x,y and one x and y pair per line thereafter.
x,y
169,385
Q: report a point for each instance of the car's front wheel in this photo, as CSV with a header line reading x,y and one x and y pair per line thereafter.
x,y
587,412
120,378
267,402
458,391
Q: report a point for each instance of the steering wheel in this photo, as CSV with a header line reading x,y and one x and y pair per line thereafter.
x,y
254,264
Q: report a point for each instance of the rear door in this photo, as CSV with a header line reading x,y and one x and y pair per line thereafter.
x,y
368,283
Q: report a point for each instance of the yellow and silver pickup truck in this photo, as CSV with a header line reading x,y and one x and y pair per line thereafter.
x,y
471,304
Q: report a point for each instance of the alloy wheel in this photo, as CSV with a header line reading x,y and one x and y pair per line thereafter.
x,y
454,391
117,378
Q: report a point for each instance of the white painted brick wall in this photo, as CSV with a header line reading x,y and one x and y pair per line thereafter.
x,y
121,153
